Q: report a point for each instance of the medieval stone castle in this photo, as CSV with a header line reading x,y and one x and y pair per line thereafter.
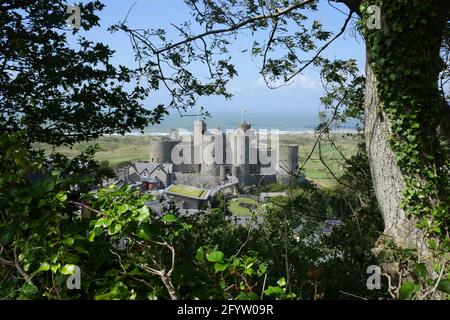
x,y
207,158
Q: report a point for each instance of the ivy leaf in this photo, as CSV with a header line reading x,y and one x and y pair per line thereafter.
x,y
437,229
68,241
281,282
122,208
135,272
45,266
92,234
444,285
55,267
407,290
273,291
83,250
28,290
432,244
5,238
200,255
219,267
114,228
215,256
186,226
234,261
68,269
47,185
169,218
106,296
248,272
249,262
144,213
103,222
262,269
61,196
421,270
144,232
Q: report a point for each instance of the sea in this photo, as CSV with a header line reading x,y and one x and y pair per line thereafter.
x,y
284,123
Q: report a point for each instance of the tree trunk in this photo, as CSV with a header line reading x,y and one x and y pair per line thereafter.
x,y
386,176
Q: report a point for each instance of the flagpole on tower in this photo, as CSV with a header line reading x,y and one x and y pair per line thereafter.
x,y
199,113
242,114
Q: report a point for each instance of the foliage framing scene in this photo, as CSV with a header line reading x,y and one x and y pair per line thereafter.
x,y
97,97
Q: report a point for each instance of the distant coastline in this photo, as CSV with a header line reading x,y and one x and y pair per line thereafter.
x,y
281,132
303,124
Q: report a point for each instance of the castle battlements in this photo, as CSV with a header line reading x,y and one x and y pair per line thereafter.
x,y
252,157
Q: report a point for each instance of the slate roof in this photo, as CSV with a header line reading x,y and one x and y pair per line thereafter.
x,y
134,177
154,180
142,166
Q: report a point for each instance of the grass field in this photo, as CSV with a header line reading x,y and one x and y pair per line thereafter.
x,y
236,208
119,150
116,150
314,168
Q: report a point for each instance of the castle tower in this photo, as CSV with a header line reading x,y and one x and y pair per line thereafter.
x,y
212,153
244,127
199,131
174,134
241,153
161,150
287,162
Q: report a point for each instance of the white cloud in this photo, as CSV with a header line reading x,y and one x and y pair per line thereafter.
x,y
305,81
301,81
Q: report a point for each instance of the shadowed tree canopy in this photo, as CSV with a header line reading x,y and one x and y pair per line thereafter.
x,y
60,93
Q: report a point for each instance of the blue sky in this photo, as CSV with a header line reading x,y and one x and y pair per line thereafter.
x,y
301,98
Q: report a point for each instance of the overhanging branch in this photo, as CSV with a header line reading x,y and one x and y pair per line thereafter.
x,y
341,32
234,27
353,5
